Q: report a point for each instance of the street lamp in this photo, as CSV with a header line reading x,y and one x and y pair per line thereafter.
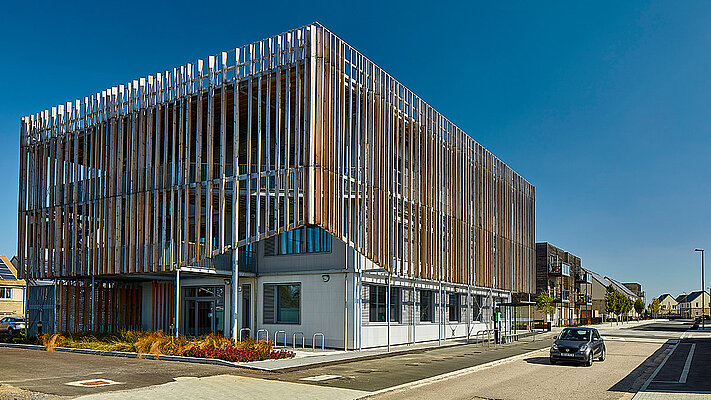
x,y
703,291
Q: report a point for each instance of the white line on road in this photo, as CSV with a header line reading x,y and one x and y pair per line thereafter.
x,y
685,372
659,368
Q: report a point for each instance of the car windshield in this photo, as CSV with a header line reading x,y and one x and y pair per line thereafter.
x,y
575,334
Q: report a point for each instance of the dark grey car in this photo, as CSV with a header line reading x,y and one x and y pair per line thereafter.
x,y
578,345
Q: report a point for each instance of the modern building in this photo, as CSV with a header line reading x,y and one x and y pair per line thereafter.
x,y
636,288
622,288
12,290
668,306
694,304
285,187
560,274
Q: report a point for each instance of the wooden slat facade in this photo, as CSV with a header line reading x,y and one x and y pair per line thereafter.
x,y
298,129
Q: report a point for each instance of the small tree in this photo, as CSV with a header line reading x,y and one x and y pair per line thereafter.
x,y
639,306
611,300
544,303
654,308
627,305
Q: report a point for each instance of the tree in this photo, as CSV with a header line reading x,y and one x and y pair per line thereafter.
x,y
544,303
626,305
639,306
654,308
611,300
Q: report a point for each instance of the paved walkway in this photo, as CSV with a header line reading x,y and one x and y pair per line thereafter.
x,y
230,387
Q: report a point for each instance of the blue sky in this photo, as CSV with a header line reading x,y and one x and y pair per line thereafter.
x,y
604,107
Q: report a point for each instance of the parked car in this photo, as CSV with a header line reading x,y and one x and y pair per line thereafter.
x,y
578,345
12,325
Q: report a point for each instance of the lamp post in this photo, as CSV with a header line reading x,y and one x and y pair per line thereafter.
x,y
703,311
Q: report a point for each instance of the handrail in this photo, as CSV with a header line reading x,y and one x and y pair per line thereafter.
x,y
266,334
242,330
276,336
313,342
293,341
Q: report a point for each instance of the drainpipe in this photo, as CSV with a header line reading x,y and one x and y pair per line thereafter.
x,y
234,306
414,324
387,309
345,301
177,301
93,310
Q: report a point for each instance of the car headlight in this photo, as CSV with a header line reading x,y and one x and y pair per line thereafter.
x,y
584,348
554,347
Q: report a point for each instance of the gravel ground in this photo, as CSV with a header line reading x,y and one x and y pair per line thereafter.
x,y
8,392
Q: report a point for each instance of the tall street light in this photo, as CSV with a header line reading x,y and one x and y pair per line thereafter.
x,y
703,290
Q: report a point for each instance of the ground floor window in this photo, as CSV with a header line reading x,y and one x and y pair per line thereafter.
x,y
5,293
378,303
282,303
454,309
427,306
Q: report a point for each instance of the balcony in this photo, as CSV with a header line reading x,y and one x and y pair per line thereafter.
x,y
559,270
584,299
582,276
561,297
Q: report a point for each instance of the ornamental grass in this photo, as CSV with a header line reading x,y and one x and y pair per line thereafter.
x,y
160,343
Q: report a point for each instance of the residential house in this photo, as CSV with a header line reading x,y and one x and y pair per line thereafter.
x,y
12,290
668,306
694,304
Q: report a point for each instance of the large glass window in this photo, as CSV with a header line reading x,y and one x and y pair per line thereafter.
x,y
309,239
288,304
454,309
5,293
427,306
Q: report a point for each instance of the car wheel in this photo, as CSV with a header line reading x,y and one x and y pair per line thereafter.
x,y
10,331
589,361
552,361
602,355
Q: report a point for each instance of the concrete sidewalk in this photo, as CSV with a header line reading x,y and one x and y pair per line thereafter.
x,y
230,387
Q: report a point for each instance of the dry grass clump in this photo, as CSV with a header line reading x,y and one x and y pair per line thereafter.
x,y
160,343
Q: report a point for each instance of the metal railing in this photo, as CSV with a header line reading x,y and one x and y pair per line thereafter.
x,y
313,342
242,330
276,336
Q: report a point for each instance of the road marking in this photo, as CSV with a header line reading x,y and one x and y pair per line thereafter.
x,y
453,374
685,372
320,378
659,368
93,383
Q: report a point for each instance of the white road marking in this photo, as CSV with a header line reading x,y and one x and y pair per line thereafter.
x,y
659,368
93,383
685,372
319,378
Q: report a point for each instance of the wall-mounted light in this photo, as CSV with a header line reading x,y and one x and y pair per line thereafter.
x,y
227,281
326,277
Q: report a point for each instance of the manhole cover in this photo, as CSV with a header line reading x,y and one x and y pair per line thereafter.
x,y
93,383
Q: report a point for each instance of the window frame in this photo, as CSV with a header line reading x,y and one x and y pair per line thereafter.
x,y
277,303
430,306
456,307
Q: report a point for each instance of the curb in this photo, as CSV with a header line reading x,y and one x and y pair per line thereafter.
x,y
448,375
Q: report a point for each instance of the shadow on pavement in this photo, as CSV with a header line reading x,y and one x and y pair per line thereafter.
x,y
546,361
635,379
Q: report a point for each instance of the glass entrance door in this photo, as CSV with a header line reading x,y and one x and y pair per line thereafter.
x,y
205,317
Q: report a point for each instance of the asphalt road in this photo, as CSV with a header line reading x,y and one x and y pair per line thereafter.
x,y
534,378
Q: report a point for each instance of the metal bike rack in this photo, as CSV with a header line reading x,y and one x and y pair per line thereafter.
x,y
293,342
323,339
482,333
242,330
276,337
266,334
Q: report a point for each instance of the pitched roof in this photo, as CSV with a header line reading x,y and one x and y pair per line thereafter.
x,y
664,296
7,270
692,296
598,278
680,298
624,289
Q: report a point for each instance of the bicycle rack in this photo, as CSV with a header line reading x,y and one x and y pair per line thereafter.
x,y
242,330
276,337
302,340
313,343
266,334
